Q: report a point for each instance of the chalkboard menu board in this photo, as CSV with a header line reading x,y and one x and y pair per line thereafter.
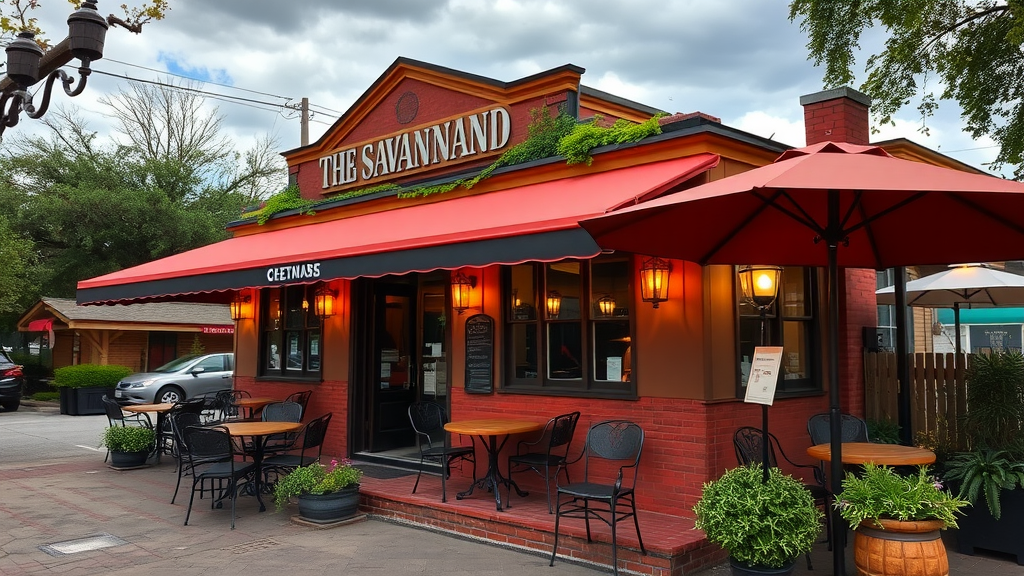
x,y
480,354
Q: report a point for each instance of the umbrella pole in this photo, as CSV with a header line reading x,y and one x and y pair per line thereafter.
x,y
765,439
835,424
956,333
903,413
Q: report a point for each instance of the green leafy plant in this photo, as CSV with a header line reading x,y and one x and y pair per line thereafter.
x,y
316,479
883,431
760,524
89,375
984,474
882,493
129,438
995,401
586,136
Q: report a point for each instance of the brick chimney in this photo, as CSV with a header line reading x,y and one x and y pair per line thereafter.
x,y
839,115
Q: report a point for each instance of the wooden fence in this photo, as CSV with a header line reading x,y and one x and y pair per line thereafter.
x,y
938,395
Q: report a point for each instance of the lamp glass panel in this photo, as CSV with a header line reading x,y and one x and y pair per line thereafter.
x,y
565,351
610,277
524,350
564,277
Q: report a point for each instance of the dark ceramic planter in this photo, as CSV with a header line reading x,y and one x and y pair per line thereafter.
x,y
327,508
741,569
128,459
978,529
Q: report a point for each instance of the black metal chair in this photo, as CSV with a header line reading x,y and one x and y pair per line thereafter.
x,y
117,417
428,420
300,397
819,428
609,443
179,422
312,438
211,457
282,412
748,443
553,445
222,408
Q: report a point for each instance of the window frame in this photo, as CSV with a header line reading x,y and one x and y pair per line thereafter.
x,y
311,326
586,385
812,321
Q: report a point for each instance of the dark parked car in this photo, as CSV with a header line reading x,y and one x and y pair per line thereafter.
x,y
181,379
12,382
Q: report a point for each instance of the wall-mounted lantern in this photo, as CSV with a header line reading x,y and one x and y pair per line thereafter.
x,y
323,301
462,288
241,306
554,303
654,275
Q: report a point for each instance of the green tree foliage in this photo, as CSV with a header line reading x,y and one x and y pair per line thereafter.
x,y
77,206
973,50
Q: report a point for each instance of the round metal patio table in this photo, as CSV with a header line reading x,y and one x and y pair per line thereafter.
x,y
488,430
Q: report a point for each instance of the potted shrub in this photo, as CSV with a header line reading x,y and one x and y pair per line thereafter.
x,y
897,519
129,446
993,470
83,386
765,527
325,494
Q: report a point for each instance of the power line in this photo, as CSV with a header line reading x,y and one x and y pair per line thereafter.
x,y
197,80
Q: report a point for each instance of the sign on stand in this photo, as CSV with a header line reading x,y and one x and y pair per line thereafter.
x,y
764,375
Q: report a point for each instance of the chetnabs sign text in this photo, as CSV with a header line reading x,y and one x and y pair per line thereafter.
x,y
293,272
448,141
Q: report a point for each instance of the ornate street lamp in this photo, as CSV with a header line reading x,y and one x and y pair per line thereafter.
x,y
86,33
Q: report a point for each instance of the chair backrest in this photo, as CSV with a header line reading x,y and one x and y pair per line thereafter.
x,y
224,401
428,420
282,412
208,444
563,428
179,422
240,394
195,406
114,414
314,434
748,442
853,429
300,397
616,441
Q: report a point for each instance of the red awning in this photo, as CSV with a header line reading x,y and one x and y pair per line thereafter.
x,y
40,325
535,222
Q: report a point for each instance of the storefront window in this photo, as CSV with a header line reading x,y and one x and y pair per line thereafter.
x,y
792,324
568,327
290,333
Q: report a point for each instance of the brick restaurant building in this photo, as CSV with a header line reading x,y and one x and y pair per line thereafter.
x,y
366,301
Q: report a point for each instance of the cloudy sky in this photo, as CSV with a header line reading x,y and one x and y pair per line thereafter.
x,y
740,60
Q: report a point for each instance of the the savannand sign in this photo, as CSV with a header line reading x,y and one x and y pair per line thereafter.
x,y
450,141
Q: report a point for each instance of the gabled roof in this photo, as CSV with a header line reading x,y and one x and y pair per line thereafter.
x,y
69,312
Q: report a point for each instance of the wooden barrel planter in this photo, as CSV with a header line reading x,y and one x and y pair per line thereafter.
x,y
900,548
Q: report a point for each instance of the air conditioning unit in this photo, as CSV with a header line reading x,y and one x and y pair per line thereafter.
x,y
879,338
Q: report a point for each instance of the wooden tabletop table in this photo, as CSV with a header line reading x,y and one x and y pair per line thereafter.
x,y
258,431
160,410
253,405
864,452
488,430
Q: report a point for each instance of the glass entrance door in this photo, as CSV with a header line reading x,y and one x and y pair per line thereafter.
x,y
394,377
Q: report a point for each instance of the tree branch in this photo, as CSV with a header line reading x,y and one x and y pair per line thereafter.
x,y
956,25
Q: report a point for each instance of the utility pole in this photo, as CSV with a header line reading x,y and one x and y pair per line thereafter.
x,y
304,122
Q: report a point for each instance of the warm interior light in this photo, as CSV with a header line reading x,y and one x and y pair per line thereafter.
x,y
323,301
654,275
606,305
554,303
760,284
462,288
241,306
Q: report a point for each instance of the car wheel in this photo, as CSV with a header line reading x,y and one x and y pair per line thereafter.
x,y
170,395
11,406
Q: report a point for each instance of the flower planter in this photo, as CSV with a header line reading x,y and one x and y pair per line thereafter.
x,y
327,508
978,529
128,459
900,548
741,569
84,401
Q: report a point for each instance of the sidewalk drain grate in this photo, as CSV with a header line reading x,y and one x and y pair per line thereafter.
x,y
262,544
86,544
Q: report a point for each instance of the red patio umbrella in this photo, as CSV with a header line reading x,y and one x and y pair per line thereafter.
x,y
831,204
